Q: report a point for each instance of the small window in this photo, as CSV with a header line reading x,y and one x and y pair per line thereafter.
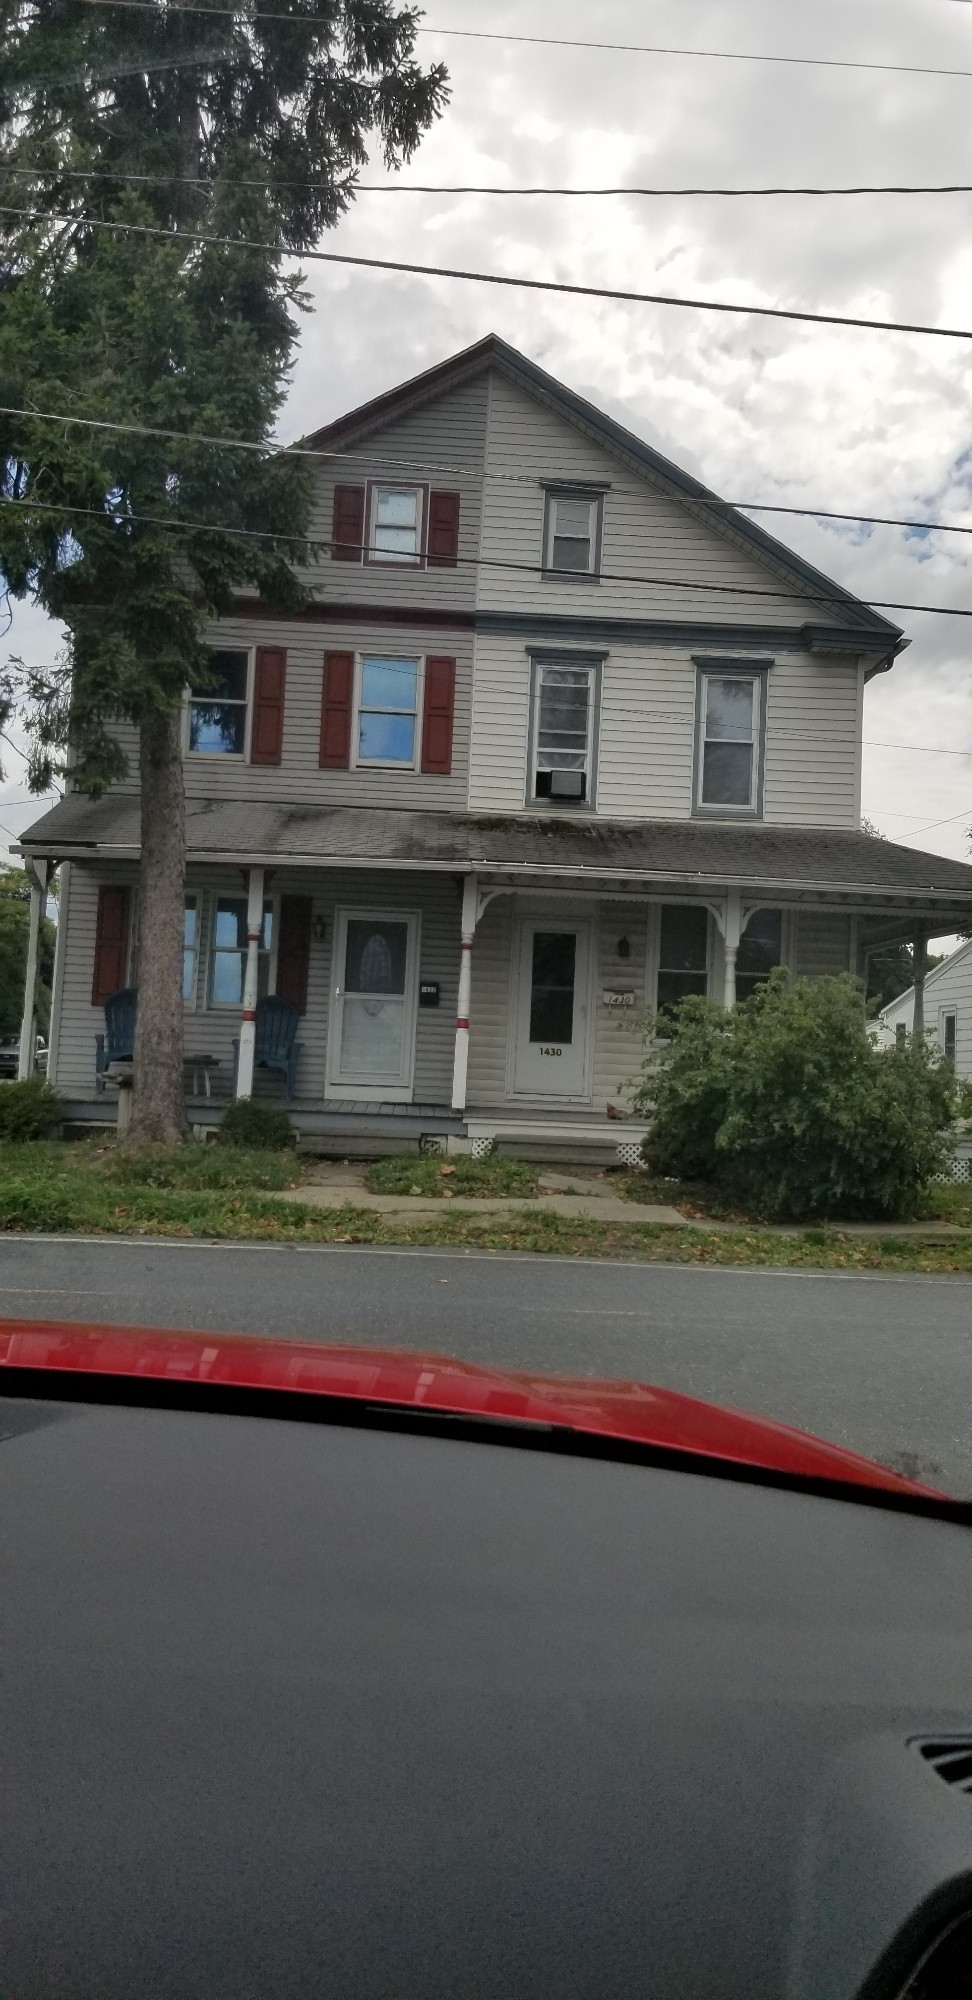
x,y
190,951
572,534
229,952
396,524
563,733
217,714
683,958
760,949
388,712
900,1034
949,1023
729,742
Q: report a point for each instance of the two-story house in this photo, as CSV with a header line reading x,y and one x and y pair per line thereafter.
x,y
559,739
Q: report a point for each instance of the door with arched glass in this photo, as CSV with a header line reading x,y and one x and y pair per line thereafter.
x,y
371,1037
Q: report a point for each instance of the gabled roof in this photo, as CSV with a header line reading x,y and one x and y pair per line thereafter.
x,y
931,979
492,352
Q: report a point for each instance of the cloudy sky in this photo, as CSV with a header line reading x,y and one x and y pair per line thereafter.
x,y
880,423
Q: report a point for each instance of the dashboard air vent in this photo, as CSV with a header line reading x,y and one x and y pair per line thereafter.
x,y
951,1757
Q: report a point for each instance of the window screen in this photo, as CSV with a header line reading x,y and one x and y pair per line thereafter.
x,y
562,731
728,748
396,527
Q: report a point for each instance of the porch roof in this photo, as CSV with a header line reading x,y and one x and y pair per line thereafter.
x,y
789,860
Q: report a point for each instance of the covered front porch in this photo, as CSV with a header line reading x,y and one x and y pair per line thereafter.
x,y
451,982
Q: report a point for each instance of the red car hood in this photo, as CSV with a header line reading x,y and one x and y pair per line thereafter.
x,y
630,1411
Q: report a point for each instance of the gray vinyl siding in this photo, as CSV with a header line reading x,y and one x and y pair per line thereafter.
x,y
823,943
948,986
645,754
646,534
210,1030
440,436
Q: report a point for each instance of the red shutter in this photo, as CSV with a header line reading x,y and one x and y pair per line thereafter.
x,y
111,944
348,528
443,540
270,674
439,708
336,711
293,950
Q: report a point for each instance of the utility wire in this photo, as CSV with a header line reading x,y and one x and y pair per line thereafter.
x,y
470,187
244,20
416,465
494,277
835,599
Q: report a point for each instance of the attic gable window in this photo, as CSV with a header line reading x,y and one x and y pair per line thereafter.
x,y
396,524
572,533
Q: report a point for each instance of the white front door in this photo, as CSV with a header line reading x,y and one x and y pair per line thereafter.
x,y
551,1024
371,1037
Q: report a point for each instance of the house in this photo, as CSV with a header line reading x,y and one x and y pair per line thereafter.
x,y
560,738
947,1010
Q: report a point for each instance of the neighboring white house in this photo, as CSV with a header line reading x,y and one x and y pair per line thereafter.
x,y
948,1009
558,738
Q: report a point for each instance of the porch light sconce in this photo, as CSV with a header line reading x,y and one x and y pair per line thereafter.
x,y
318,930
624,947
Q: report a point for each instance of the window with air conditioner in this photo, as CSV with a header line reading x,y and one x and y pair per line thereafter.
x,y
563,731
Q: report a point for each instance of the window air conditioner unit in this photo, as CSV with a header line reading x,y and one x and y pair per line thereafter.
x,y
566,784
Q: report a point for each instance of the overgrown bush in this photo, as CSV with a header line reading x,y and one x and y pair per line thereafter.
x,y
29,1110
247,1123
788,1107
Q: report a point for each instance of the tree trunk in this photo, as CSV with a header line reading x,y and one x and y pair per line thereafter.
x,y
158,1107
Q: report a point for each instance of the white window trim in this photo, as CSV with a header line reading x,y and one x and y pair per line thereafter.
x,y
336,1086
380,559
757,677
592,670
223,756
218,896
595,499
384,763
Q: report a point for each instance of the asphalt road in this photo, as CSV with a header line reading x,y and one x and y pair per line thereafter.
x,y
882,1364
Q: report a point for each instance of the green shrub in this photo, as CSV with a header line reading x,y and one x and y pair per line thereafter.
x,y
30,1110
787,1105
247,1123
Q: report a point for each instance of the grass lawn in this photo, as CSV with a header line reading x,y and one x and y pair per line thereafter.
x,y
459,1176
226,1193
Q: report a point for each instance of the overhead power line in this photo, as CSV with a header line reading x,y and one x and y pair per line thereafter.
x,y
495,277
473,187
835,598
243,19
416,465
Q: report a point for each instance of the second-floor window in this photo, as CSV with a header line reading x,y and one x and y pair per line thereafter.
x,y
572,534
218,713
729,751
563,732
388,707
396,524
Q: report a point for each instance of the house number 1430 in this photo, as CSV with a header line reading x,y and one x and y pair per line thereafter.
x,y
551,1052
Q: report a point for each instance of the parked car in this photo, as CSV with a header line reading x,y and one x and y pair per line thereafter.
x,y
10,1056
338,1672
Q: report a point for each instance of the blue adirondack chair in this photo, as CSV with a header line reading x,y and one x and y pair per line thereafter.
x,y
276,1048
117,1044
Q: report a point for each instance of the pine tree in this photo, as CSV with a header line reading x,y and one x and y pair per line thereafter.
x,y
239,126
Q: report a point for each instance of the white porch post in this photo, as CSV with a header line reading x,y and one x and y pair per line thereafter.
x,y
460,1065
730,940
920,948
254,924
37,870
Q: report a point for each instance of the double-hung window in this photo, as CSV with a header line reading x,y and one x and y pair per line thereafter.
x,y
564,705
217,713
729,751
760,949
396,524
683,954
388,708
572,533
948,1027
228,957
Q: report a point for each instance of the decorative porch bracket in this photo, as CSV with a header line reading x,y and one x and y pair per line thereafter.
x,y
254,924
37,874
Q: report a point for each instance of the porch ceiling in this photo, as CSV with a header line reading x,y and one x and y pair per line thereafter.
x,y
793,863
